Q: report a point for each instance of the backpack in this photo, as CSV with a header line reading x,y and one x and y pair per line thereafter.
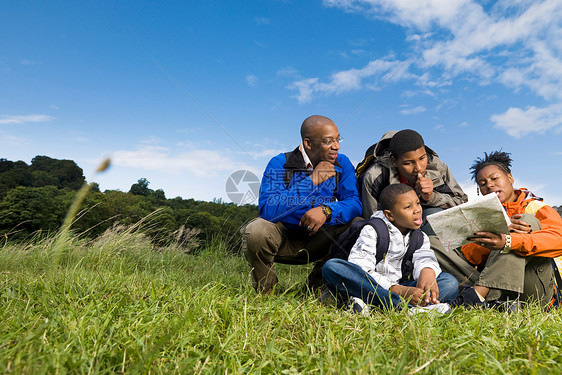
x,y
532,208
347,239
374,153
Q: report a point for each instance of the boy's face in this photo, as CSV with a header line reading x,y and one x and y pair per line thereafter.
x,y
406,213
410,163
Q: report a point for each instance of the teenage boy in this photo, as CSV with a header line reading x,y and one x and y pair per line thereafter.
x,y
403,157
364,281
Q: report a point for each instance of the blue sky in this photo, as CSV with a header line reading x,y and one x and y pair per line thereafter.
x,y
185,93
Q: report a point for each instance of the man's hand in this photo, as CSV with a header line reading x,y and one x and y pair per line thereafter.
x,y
519,226
412,294
313,220
492,241
323,171
428,283
424,186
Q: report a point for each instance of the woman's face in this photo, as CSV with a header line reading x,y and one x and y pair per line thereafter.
x,y
492,179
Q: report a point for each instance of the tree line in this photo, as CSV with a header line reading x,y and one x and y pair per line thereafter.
x,y
35,198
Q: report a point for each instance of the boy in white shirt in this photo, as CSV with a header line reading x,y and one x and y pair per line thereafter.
x,y
364,281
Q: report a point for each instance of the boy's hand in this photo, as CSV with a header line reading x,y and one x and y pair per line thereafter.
x,y
412,294
424,186
428,284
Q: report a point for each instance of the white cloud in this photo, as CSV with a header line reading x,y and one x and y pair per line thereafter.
x,y
347,80
262,20
24,119
31,62
8,139
413,111
202,163
518,122
269,153
516,43
288,72
252,80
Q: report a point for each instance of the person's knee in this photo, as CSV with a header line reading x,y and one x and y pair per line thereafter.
x,y
332,267
254,234
531,220
448,287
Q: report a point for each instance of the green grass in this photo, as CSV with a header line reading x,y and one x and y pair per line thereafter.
x,y
117,305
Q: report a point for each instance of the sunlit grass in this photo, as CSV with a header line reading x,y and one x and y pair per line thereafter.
x,y
120,305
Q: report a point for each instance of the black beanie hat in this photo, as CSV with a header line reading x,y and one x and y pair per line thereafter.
x,y
404,141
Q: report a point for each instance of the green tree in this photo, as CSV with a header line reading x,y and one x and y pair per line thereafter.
x,y
32,208
68,174
141,188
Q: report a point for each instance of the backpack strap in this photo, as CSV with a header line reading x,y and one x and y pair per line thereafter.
x,y
383,237
557,299
347,239
416,241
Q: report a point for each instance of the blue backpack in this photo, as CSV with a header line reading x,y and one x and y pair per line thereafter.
x,y
347,239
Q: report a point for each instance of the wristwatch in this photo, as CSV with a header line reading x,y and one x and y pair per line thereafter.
x,y
327,211
507,246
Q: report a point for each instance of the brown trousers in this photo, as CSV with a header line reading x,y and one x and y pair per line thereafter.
x,y
265,243
507,275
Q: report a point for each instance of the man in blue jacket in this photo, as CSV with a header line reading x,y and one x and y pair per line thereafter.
x,y
306,197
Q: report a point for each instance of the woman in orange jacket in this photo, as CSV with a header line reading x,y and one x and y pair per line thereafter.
x,y
499,267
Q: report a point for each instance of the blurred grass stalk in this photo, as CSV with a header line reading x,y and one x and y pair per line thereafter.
x,y
61,245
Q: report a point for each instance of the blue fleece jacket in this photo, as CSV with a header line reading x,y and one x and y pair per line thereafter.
x,y
287,191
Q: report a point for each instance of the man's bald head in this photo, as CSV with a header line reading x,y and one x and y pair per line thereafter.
x,y
312,125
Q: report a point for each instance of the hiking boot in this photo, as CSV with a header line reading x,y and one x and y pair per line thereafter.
x,y
441,308
468,298
355,305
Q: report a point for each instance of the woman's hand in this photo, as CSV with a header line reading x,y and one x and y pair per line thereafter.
x,y
492,241
519,226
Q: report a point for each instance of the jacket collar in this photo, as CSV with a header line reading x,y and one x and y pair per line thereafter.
x,y
524,196
296,161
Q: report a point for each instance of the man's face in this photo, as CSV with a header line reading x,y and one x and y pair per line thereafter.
x,y
410,163
406,213
323,144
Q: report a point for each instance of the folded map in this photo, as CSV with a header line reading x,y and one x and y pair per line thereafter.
x,y
454,225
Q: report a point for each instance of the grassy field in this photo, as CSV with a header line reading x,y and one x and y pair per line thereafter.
x,y
118,305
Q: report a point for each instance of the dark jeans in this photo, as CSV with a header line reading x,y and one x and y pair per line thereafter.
x,y
347,279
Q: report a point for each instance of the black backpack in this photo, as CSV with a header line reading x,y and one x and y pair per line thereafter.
x,y
347,239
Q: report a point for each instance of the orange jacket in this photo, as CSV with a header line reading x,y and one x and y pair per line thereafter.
x,y
546,242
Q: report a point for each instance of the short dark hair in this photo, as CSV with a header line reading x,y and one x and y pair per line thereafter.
x,y
498,158
404,141
389,195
